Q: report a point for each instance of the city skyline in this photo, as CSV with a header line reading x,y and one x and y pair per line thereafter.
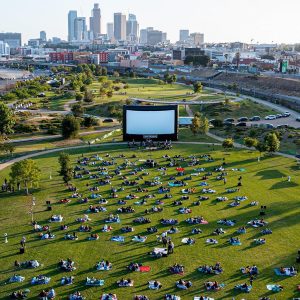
x,y
233,20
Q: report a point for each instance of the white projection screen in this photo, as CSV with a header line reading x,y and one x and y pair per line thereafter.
x,y
155,122
150,122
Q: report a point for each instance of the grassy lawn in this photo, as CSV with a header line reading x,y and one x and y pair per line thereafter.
x,y
264,182
245,108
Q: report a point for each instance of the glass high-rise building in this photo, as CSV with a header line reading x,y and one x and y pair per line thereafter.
x,y
120,27
95,21
132,28
71,25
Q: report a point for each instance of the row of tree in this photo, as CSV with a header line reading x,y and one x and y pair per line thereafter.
x,y
271,143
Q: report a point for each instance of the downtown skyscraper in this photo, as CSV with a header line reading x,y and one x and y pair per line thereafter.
x,y
71,25
95,21
120,27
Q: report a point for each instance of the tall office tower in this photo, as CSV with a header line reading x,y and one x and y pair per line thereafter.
x,y
95,21
184,35
14,40
197,38
143,36
132,28
43,36
120,27
155,37
80,29
110,31
71,25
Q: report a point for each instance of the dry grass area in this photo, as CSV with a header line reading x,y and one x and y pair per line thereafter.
x,y
265,84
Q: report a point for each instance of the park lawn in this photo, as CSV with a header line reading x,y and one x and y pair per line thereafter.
x,y
244,108
264,182
147,89
186,135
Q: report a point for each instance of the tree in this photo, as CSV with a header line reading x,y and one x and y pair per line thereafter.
x,y
90,121
78,97
77,110
115,74
7,120
228,143
197,87
65,167
109,93
196,124
261,147
237,59
26,172
204,127
250,142
7,148
70,127
88,96
104,71
272,142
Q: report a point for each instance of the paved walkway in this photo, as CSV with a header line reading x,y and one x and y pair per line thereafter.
x,y
57,136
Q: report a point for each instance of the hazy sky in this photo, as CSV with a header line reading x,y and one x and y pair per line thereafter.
x,y
220,20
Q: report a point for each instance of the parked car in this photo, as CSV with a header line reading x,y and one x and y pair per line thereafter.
x,y
286,114
270,117
255,118
269,126
228,124
241,124
282,126
243,119
278,116
298,119
108,120
229,120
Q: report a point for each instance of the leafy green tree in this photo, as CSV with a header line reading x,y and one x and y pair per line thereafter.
x,y
77,110
26,172
228,143
261,147
7,120
7,148
197,87
109,93
78,97
65,167
70,127
196,125
272,142
116,74
90,122
250,142
88,97
204,127
104,71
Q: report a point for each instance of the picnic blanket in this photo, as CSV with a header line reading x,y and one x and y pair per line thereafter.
x,y
16,278
144,269
185,241
94,282
172,184
43,280
274,287
142,239
287,272
118,239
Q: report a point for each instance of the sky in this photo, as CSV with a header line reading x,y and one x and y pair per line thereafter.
x,y
259,21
